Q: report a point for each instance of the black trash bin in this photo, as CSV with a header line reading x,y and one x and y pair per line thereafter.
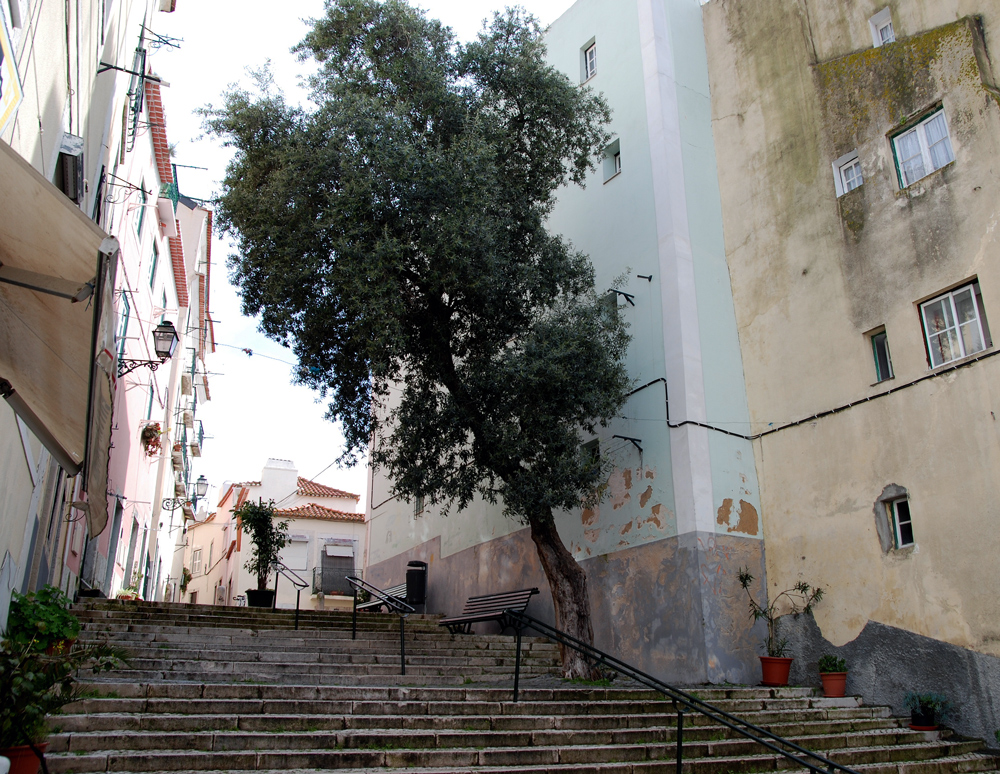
x,y
416,583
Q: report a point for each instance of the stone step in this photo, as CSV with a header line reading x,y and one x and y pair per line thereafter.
x,y
376,751
97,720
423,739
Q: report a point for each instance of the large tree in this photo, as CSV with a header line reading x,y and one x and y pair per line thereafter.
x,y
394,236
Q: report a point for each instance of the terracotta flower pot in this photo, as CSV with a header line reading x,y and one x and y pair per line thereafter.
x,y
834,684
23,759
775,670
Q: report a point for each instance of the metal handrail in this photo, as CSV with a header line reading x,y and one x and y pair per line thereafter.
x,y
396,605
682,700
280,568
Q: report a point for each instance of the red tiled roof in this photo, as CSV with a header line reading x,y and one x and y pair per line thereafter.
x,y
161,151
309,488
314,511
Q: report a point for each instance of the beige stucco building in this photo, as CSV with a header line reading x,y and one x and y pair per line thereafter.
x,y
857,146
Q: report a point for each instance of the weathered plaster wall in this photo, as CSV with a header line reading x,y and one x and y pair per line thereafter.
x,y
795,85
672,608
884,662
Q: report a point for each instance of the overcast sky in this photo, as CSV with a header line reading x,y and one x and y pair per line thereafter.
x,y
255,411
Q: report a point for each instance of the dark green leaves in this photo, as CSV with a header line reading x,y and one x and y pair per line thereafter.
x,y
395,238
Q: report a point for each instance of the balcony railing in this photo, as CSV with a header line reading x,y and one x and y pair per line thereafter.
x,y
333,580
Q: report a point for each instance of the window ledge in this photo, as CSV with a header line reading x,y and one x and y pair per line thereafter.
x,y
915,189
883,381
616,174
584,83
960,361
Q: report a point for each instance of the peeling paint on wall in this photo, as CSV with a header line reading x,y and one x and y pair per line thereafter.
x,y
747,521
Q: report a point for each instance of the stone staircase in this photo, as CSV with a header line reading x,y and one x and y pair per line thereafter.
x,y
232,689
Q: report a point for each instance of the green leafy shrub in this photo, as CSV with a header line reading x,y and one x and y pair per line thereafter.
x,y
929,703
828,663
34,683
41,619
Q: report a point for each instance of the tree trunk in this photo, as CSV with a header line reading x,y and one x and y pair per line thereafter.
x,y
568,584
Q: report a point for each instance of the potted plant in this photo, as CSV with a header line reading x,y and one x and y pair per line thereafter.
x,y
267,538
926,709
799,599
833,673
42,619
150,439
38,661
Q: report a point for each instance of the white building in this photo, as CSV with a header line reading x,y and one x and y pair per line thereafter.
x,y
327,542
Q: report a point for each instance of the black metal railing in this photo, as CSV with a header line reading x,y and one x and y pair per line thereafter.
x,y
393,604
281,569
683,702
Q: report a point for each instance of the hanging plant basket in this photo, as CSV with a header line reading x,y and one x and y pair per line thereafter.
x,y
150,439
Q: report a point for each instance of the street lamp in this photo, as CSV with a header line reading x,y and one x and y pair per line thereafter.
x,y
164,343
200,490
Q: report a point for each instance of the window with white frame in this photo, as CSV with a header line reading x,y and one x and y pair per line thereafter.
x,y
196,561
880,351
612,160
847,173
881,28
898,512
955,325
589,61
295,554
922,149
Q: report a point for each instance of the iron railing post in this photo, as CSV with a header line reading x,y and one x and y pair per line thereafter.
x,y
402,647
274,602
354,616
680,736
298,596
517,663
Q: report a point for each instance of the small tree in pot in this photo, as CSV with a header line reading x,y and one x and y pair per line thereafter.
x,y
799,599
267,538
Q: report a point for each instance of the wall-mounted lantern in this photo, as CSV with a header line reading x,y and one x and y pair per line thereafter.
x,y
164,343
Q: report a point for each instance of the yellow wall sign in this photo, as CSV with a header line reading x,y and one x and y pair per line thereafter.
x,y
10,84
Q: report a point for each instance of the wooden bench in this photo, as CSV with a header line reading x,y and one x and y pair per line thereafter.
x,y
488,607
376,604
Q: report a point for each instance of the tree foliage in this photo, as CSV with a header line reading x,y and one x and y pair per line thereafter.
x,y
394,235
267,537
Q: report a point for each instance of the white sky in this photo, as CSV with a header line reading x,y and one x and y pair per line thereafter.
x,y
255,411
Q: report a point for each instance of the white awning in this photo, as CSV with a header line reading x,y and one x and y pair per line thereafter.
x,y
56,279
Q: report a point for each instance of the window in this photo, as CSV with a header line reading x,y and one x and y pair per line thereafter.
x,y
336,563
196,561
211,550
152,269
295,554
922,149
899,517
418,505
847,173
880,351
588,60
69,167
142,207
612,160
881,28
955,325
123,325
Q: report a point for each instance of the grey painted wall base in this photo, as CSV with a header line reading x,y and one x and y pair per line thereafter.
x,y
885,662
671,607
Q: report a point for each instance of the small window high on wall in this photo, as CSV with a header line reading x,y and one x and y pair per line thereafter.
x,y
922,149
881,28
